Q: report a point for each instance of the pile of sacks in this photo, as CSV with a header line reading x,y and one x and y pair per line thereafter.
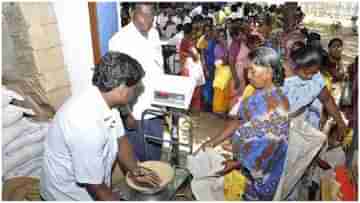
x,y
22,139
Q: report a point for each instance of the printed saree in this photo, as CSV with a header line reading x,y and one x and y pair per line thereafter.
x,y
261,144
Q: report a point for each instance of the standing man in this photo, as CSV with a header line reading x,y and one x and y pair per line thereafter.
x,y
141,41
87,136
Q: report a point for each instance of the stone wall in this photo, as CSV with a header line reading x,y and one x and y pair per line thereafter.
x,y
32,52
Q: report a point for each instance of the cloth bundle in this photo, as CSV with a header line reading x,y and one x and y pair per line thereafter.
x,y
22,139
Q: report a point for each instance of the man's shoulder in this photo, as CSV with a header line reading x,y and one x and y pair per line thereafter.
x,y
78,108
124,31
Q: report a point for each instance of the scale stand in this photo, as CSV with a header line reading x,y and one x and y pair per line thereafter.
x,y
177,138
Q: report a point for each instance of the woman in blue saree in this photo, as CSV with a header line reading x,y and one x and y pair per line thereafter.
x,y
260,136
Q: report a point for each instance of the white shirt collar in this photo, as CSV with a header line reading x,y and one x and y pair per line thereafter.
x,y
103,107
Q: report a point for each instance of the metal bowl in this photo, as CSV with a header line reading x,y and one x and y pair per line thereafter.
x,y
165,172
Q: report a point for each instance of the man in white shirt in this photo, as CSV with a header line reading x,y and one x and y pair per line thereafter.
x,y
141,41
87,136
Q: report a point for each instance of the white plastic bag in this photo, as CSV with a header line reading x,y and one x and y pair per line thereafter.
x,y
195,71
304,143
205,164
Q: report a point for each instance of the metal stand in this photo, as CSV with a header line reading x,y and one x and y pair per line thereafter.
x,y
172,117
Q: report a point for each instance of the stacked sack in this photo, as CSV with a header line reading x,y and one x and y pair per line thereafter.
x,y
22,139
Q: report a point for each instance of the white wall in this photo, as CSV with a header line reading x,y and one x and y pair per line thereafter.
x,y
74,27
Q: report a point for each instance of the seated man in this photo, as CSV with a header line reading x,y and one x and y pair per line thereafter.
x,y
87,136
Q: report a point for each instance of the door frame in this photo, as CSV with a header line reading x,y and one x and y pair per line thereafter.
x,y
94,32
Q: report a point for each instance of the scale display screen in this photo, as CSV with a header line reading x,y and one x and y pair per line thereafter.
x,y
168,98
177,92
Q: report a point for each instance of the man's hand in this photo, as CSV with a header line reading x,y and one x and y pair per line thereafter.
x,y
229,166
145,177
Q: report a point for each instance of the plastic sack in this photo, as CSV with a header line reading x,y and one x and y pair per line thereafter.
x,y
221,100
205,164
22,127
222,76
195,71
304,143
234,186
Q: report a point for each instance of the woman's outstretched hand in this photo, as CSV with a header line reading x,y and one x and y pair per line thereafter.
x,y
203,147
229,166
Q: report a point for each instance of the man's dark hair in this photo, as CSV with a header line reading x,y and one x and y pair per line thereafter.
x,y
116,69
